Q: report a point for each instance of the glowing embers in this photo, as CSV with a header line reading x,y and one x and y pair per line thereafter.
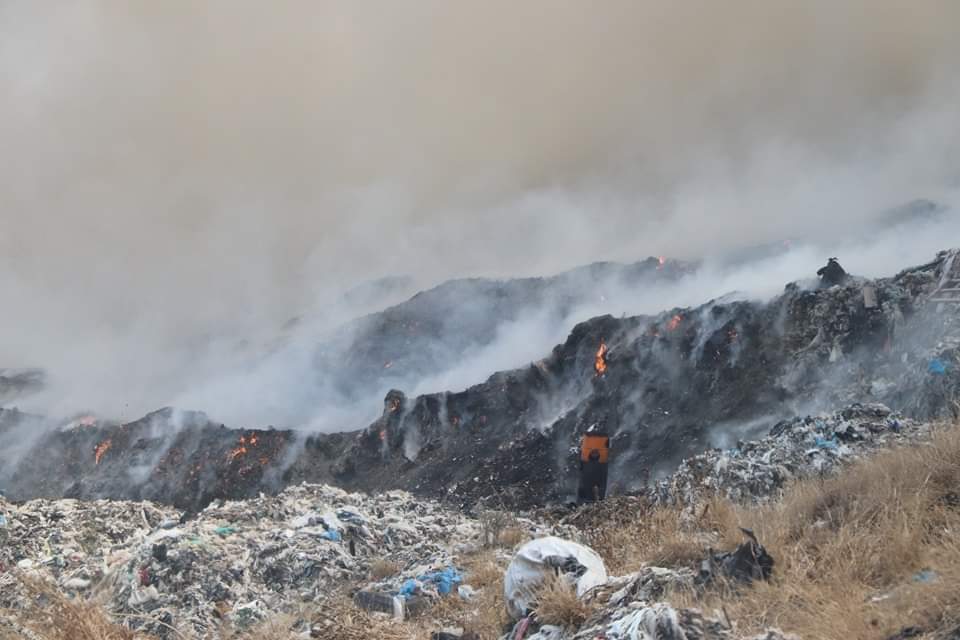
x,y
600,360
674,322
100,450
243,447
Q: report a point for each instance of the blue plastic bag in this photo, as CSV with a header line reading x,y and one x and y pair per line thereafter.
x,y
331,534
823,443
445,579
409,588
937,367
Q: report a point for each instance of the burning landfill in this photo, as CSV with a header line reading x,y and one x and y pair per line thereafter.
x,y
179,527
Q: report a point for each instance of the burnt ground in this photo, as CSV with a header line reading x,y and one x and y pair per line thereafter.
x,y
405,343
673,385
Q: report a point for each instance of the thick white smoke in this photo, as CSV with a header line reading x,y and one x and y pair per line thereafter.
x,y
178,180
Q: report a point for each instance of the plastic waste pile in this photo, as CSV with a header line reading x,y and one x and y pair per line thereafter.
x,y
236,561
631,608
801,447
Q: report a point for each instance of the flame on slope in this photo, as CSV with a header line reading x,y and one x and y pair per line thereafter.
x,y
674,322
242,447
101,449
600,360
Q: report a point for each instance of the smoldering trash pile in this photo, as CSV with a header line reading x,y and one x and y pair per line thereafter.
x,y
797,448
235,563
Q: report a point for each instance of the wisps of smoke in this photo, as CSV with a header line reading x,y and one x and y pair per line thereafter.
x,y
178,180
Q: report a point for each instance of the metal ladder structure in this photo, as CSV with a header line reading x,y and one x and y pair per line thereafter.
x,y
948,291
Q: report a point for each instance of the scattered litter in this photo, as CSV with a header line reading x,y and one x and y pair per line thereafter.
x,y
926,576
748,562
937,367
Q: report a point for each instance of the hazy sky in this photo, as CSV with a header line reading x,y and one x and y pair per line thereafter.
x,y
176,172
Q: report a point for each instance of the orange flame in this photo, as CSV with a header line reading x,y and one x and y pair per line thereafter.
x,y
383,435
600,361
241,448
674,322
660,262
101,449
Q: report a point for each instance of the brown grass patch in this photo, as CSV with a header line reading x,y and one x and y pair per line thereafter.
x,y
54,616
558,604
340,619
501,529
847,547
382,568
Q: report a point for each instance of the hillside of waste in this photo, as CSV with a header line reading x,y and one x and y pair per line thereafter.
x,y
667,388
316,561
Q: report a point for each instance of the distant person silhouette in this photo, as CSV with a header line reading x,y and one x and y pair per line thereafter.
x,y
832,273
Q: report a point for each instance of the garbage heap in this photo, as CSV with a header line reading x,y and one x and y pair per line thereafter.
x,y
796,448
235,563
632,607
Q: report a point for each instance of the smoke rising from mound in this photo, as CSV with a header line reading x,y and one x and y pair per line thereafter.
x,y
178,181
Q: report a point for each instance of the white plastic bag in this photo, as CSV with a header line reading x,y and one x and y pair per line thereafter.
x,y
537,560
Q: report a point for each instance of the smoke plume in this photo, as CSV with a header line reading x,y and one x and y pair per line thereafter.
x,y
179,180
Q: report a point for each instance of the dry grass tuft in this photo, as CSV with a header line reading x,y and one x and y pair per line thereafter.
x,y
382,568
54,616
500,529
512,536
558,604
340,619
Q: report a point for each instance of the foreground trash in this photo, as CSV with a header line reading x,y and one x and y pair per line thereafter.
x,y
539,559
239,562
627,608
748,562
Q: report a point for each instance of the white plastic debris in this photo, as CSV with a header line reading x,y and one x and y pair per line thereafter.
x,y
538,559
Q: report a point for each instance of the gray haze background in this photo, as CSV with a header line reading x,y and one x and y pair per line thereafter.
x,y
178,179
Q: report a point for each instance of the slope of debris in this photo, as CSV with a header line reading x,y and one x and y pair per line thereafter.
x,y
406,343
665,388
797,448
670,386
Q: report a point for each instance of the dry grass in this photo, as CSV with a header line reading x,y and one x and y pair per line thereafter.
x,y
558,604
501,529
512,536
54,616
382,568
847,547
665,537
340,619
